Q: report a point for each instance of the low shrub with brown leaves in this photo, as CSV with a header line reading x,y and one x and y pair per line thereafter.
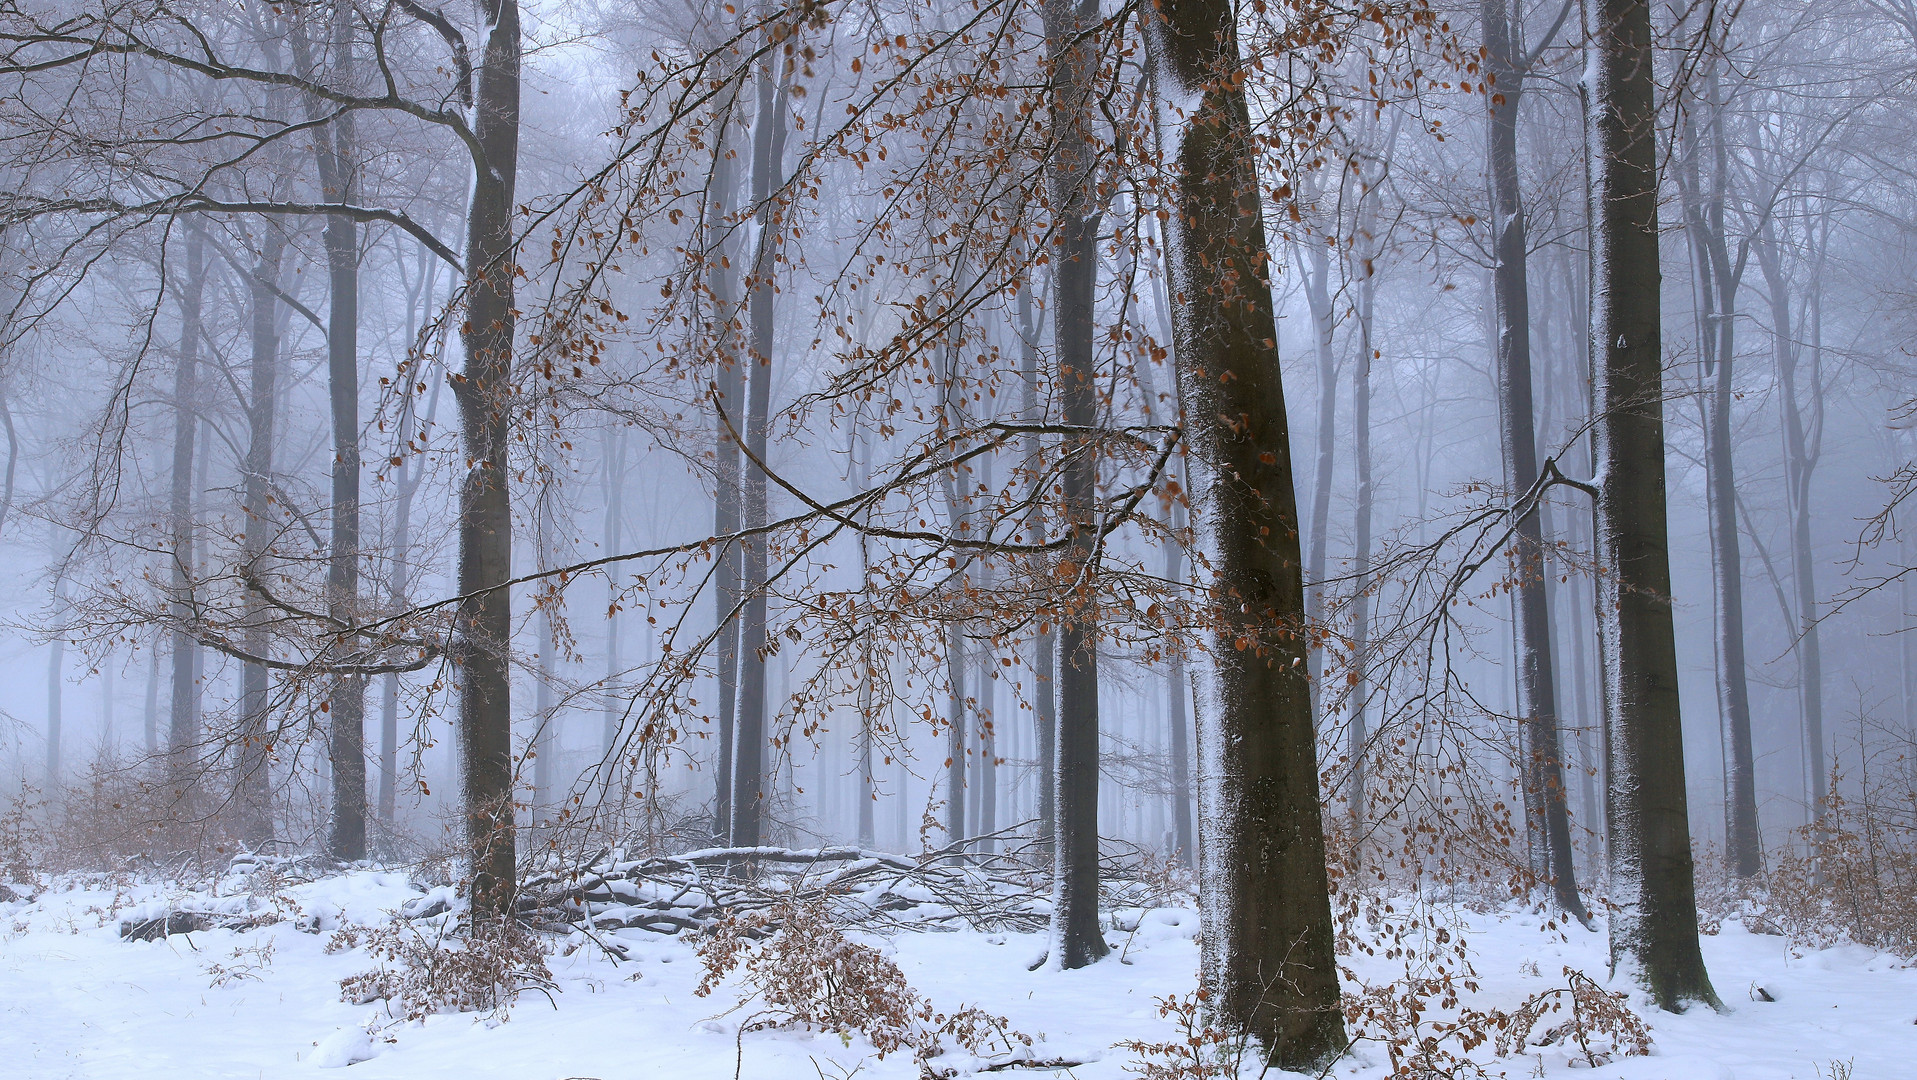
x,y
1202,1050
431,966
1599,1021
1854,879
800,970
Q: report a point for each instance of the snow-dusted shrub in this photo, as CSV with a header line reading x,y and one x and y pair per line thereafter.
x,y
20,844
1418,1022
1599,1021
1854,879
800,970
1202,1050
437,965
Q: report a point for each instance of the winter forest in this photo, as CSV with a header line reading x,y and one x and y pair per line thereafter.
x,y
636,538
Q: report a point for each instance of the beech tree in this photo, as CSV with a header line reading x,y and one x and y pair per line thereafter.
x,y
1653,896
1268,932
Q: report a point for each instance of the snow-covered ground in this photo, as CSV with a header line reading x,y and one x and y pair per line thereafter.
x,y
77,1001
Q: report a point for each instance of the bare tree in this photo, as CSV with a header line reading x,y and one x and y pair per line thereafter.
x,y
1654,913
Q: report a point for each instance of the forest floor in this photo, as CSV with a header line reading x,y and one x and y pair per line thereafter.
x,y
77,1001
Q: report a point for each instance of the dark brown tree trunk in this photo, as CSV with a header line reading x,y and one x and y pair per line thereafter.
x,y
1537,677
1654,917
1268,960
252,798
1076,938
483,621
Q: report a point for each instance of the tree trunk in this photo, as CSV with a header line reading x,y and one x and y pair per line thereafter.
x,y
56,683
748,783
252,798
729,385
1177,681
1360,687
1045,644
1267,957
183,713
1317,271
868,793
483,621
542,748
1800,459
1537,677
152,711
1654,920
1717,285
613,453
955,732
407,480
346,703
1076,938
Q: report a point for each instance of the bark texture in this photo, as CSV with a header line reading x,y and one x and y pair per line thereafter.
x,y
483,620
1076,937
1654,920
1268,960
1511,291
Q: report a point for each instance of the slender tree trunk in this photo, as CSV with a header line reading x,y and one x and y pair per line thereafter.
x,y
1045,644
868,792
729,385
955,729
1717,284
1267,958
253,796
1177,681
748,783
56,684
151,713
1799,462
1360,685
1069,34
1654,917
407,480
613,453
1317,271
985,700
483,622
542,748
1537,677
346,703
183,713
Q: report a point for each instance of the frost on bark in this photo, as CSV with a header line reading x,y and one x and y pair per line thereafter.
x,y
1268,959
748,778
1654,914
1076,938
483,620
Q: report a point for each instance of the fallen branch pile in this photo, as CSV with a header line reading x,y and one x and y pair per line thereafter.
x,y
871,890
